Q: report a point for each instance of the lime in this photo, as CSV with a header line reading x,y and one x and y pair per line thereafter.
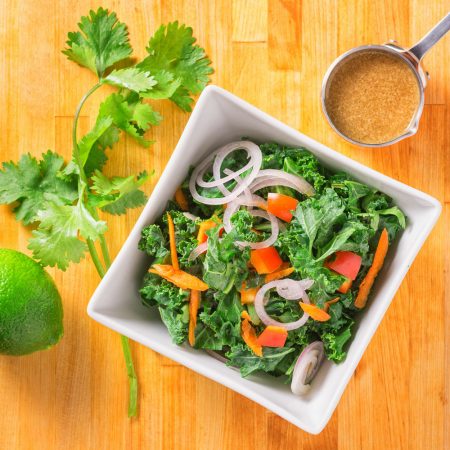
x,y
30,306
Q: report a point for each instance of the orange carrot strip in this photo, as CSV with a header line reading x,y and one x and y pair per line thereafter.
x,y
327,304
248,295
315,312
283,273
194,303
203,228
178,277
246,315
249,336
377,264
173,246
345,286
180,199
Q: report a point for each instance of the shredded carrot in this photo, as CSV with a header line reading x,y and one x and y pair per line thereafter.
x,y
178,277
249,335
377,264
203,228
279,274
173,246
327,304
194,303
180,199
315,312
345,286
246,315
248,295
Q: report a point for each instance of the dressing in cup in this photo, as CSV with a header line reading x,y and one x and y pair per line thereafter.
x,y
373,95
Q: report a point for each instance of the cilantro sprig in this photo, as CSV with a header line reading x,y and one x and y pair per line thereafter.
x,y
62,200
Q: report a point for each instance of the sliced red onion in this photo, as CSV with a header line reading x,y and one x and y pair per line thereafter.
x,y
216,159
289,289
247,194
293,289
202,248
274,177
306,367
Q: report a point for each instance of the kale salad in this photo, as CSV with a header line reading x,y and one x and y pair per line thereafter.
x,y
264,257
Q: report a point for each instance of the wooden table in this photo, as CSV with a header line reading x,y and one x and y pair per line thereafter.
x,y
272,53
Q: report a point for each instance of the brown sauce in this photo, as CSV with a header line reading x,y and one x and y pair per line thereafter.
x,y
372,97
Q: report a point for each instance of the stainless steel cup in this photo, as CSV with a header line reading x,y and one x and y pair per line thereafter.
x,y
412,57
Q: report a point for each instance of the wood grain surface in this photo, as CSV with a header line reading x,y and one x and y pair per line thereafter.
x,y
272,53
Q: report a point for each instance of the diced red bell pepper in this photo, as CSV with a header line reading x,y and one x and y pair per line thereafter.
x,y
345,263
273,336
265,260
281,205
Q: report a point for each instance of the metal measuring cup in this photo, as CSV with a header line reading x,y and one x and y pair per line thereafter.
x,y
412,57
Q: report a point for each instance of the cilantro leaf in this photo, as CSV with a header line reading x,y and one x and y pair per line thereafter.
x,y
56,241
56,249
101,42
102,125
166,85
130,115
97,156
129,200
144,116
30,181
115,195
131,78
172,50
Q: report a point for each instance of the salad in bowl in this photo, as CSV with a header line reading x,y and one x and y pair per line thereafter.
x,y
264,258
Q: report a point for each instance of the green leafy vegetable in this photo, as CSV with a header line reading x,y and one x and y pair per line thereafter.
x,y
101,42
116,195
172,304
180,67
85,145
131,78
249,363
55,242
30,182
225,265
154,243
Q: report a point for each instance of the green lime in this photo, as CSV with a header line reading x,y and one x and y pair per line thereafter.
x,y
30,306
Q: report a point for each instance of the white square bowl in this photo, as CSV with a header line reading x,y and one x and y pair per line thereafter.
x,y
220,117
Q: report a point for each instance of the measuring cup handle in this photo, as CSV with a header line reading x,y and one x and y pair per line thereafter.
x,y
431,38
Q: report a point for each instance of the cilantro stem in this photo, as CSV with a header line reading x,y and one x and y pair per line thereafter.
x,y
132,378
75,128
95,258
105,251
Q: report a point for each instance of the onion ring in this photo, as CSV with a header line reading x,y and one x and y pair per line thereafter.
x,y
274,177
289,289
254,164
306,367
